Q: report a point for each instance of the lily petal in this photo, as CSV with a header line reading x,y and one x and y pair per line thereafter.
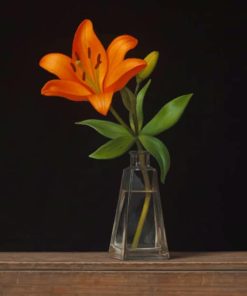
x,y
58,64
68,89
118,48
91,53
101,102
119,76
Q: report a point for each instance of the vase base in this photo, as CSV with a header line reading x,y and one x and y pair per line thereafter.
x,y
147,254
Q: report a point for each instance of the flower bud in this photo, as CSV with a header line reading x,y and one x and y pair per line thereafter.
x,y
151,60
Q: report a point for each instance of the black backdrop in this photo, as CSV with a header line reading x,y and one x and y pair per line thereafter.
x,y
55,198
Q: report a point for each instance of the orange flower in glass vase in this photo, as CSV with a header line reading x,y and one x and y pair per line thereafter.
x,y
92,73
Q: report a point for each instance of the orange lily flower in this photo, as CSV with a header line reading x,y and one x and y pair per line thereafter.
x,y
92,73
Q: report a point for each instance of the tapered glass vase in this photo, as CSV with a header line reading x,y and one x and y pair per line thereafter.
x,y
138,231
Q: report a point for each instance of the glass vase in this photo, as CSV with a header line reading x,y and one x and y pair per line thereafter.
x,y
138,231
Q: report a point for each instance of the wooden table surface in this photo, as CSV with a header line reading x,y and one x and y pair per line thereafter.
x,y
67,274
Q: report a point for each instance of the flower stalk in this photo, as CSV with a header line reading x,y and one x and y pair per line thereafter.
x,y
147,184
146,203
120,120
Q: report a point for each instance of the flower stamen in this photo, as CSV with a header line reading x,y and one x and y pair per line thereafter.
x,y
78,63
89,52
77,56
98,61
73,67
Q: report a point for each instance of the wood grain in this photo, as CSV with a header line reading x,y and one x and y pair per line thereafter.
x,y
101,262
77,274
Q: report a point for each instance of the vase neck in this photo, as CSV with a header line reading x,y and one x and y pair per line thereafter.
x,y
139,159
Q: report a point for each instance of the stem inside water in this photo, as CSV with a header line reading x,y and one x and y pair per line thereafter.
x,y
147,184
146,203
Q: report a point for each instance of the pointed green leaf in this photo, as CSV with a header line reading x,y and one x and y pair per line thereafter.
x,y
129,101
108,129
128,98
139,103
167,116
159,151
131,120
113,148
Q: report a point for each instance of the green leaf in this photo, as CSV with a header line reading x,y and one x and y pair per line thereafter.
x,y
128,98
131,120
129,101
167,116
159,151
108,129
113,148
139,103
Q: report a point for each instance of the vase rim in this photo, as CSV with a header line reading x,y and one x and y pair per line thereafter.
x,y
135,152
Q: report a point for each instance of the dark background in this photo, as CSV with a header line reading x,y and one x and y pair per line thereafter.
x,y
53,197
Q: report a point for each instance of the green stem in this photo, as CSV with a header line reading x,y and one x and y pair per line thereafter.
x,y
138,84
120,120
146,203
135,121
147,184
